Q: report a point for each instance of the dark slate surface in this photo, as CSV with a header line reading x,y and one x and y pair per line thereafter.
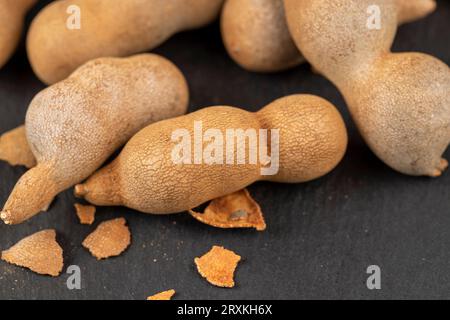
x,y
321,236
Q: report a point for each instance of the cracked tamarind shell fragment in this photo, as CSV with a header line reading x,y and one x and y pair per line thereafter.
x,y
39,252
218,266
236,210
86,214
110,239
165,295
15,150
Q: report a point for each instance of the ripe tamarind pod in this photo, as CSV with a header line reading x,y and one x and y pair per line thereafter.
x,y
256,35
399,101
107,28
307,139
73,126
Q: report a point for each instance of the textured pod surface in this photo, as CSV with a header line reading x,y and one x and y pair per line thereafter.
x,y
400,102
39,252
256,35
109,28
312,141
110,239
75,125
218,266
12,14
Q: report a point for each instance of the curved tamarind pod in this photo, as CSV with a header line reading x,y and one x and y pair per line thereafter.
x,y
312,140
108,28
256,35
75,125
399,101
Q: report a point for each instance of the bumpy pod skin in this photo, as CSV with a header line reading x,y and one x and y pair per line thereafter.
x,y
312,141
400,102
256,35
75,125
109,28
12,14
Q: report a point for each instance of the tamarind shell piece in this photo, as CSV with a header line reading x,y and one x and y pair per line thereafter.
x,y
86,214
236,210
218,266
15,150
165,295
39,252
111,238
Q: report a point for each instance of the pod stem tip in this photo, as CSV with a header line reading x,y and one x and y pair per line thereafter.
x,y
80,190
5,215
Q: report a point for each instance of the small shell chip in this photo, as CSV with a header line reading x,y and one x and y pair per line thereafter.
x,y
39,252
218,266
165,295
236,210
111,238
14,148
86,214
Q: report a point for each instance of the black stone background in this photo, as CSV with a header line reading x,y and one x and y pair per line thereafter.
x,y
321,235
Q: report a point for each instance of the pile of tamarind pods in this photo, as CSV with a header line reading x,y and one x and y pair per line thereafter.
x,y
105,93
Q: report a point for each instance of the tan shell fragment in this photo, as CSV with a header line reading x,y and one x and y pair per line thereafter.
x,y
86,214
15,150
165,295
39,252
111,238
218,266
236,210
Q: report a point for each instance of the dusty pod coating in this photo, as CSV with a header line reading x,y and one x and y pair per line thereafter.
x,y
75,125
400,102
178,164
57,45
12,15
256,35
